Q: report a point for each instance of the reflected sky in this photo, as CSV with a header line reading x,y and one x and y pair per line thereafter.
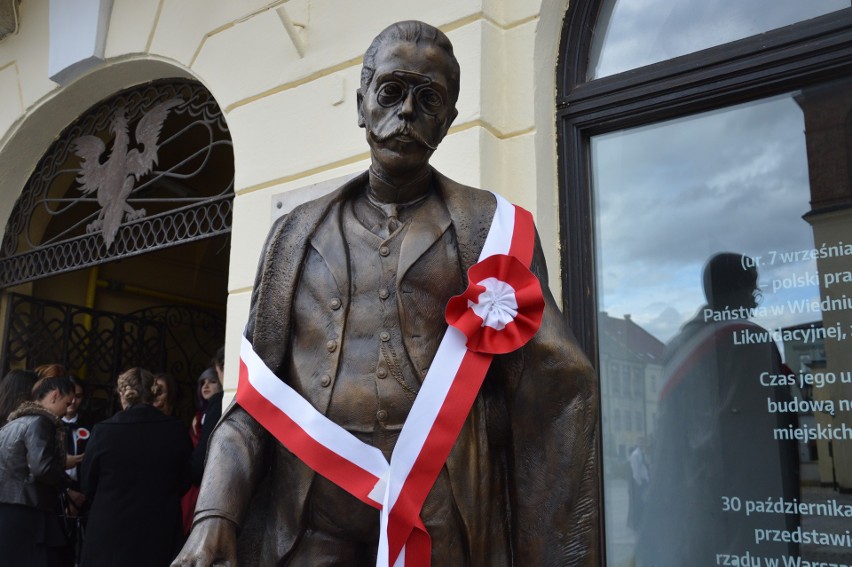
x,y
641,32
671,195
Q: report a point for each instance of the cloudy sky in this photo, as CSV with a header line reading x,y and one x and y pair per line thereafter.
x,y
640,32
669,196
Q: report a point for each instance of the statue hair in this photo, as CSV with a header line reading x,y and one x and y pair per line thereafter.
x,y
415,32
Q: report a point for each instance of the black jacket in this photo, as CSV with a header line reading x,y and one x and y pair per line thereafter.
x,y
32,458
135,470
208,423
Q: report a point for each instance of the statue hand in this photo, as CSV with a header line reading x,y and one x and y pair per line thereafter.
x,y
211,543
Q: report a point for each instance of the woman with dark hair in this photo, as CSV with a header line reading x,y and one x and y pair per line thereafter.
x,y
209,395
32,471
15,388
134,472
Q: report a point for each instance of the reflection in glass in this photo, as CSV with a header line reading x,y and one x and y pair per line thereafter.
x,y
634,33
724,246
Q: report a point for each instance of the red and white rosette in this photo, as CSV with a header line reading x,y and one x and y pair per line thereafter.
x,y
501,309
80,434
499,312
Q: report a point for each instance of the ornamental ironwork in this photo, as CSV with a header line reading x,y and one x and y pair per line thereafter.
x,y
98,345
95,345
151,167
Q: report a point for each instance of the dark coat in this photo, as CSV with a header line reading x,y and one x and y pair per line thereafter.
x,y
32,461
32,458
522,472
208,422
135,470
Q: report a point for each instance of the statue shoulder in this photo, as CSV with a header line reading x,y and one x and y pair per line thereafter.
x,y
305,217
464,197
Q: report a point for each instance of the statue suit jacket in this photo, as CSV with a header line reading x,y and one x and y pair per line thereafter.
x,y
522,471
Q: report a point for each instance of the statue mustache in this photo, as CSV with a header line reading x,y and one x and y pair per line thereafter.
x,y
403,130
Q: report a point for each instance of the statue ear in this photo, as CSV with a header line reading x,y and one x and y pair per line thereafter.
x,y
360,99
450,118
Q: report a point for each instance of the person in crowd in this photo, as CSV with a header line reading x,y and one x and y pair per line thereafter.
x,y
32,463
15,388
77,432
206,384
166,400
210,386
638,484
50,370
134,472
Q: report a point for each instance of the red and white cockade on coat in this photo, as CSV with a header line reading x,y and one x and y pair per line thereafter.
x,y
499,312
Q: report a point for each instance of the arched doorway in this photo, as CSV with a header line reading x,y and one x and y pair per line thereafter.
x,y
116,253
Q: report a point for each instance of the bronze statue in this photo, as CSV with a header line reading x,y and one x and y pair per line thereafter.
x,y
348,311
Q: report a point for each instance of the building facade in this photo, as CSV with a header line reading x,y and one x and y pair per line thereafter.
x,y
646,137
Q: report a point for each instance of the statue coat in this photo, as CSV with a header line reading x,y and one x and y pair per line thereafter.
x,y
523,471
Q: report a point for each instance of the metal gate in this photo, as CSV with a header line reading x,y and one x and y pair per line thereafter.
x,y
98,345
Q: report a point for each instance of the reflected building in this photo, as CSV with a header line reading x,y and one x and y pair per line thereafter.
x,y
805,357
630,370
827,110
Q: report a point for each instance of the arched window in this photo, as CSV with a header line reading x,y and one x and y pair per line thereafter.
x,y
706,196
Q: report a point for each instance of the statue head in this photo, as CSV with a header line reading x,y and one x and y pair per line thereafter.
x,y
407,98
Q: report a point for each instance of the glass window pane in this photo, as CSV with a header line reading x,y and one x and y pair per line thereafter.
x,y
724,245
634,33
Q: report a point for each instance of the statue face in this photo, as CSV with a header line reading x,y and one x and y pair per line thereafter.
x,y
407,108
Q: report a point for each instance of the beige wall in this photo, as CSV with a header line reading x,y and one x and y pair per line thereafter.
x,y
285,74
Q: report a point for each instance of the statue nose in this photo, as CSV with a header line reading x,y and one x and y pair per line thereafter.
x,y
406,109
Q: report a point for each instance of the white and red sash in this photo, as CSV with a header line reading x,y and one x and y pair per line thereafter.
x,y
499,312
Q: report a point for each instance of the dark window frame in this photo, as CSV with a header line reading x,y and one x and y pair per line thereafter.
x,y
756,67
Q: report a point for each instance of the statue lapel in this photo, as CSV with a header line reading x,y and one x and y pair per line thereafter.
x,y
471,211
269,323
427,226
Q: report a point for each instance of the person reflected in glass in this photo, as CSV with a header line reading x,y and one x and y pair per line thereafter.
x,y
638,485
714,447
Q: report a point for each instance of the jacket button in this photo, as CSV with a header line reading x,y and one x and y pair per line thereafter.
x,y
325,381
381,415
334,303
385,336
384,250
384,293
331,345
381,373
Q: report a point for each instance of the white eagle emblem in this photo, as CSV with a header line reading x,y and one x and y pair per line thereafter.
x,y
115,178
